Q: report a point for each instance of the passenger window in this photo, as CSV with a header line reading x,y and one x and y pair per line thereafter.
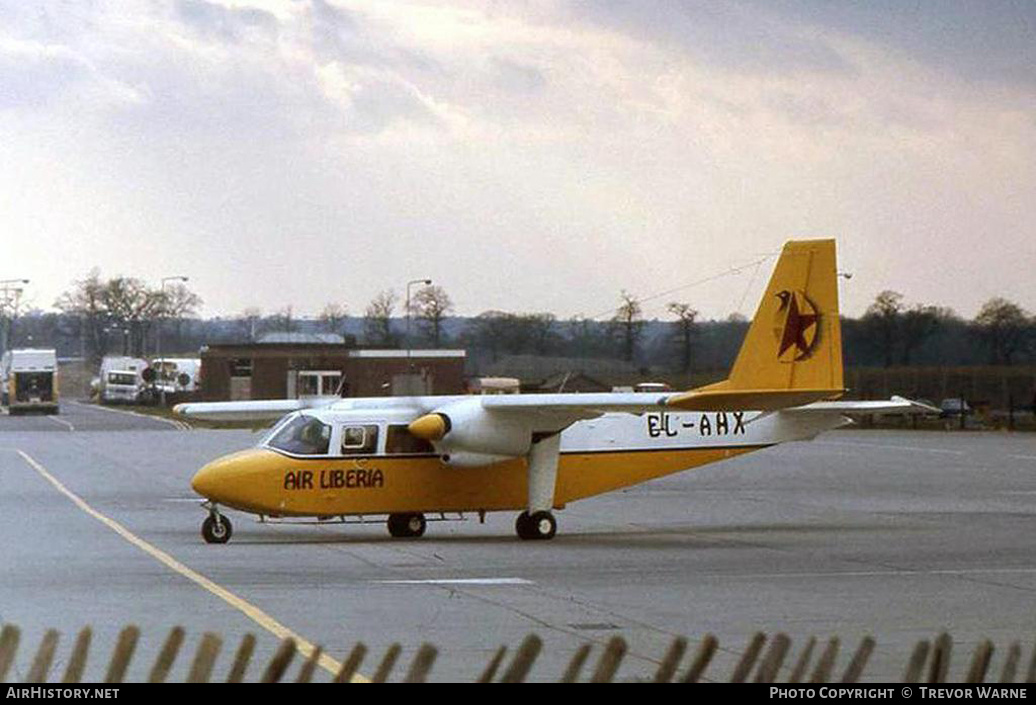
x,y
400,441
359,440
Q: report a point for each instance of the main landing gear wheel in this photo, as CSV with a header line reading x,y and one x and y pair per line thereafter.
x,y
540,526
216,529
407,525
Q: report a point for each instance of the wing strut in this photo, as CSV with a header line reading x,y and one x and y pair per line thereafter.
x,y
543,473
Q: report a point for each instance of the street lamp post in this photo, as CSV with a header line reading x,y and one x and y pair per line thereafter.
x,y
426,282
158,336
5,286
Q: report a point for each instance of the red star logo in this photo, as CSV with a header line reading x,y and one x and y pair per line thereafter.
x,y
799,330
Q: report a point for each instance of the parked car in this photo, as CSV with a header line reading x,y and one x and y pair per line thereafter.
x,y
954,406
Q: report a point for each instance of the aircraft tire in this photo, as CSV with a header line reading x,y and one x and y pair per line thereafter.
x,y
216,532
410,525
541,526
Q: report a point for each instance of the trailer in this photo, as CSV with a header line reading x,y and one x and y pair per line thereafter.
x,y
30,381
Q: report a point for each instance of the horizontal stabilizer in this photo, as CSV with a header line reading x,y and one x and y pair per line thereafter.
x,y
895,405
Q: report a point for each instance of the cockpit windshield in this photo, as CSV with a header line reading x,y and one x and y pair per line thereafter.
x,y
302,435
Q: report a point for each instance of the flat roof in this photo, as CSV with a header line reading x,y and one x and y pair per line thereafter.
x,y
408,353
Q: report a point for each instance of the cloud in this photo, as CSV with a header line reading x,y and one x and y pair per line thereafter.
x,y
579,147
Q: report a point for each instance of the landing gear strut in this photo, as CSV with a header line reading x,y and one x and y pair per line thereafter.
x,y
409,525
539,526
216,528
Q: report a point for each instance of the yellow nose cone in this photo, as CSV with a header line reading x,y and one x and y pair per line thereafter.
x,y
430,427
206,481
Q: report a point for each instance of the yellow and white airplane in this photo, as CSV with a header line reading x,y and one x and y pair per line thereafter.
x,y
408,457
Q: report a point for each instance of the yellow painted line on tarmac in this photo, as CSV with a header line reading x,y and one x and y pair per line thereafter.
x,y
251,611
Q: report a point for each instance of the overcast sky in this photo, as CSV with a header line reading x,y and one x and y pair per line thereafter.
x,y
527,156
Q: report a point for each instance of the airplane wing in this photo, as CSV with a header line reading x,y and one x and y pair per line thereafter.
x,y
257,410
581,405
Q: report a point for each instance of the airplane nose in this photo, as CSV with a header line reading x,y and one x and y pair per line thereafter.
x,y
206,481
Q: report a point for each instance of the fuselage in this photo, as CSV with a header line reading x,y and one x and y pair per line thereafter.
x,y
365,461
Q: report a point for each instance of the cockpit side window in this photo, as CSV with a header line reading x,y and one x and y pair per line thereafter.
x,y
303,435
360,440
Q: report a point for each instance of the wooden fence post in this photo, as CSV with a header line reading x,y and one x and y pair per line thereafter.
x,y
352,663
701,659
609,662
493,666
1011,664
855,668
773,660
916,664
980,662
77,662
671,660
306,672
8,646
205,658
522,662
122,655
748,658
44,657
241,659
803,663
822,672
421,666
940,659
166,657
280,661
575,665
388,661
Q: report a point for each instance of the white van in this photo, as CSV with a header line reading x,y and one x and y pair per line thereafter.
x,y
122,379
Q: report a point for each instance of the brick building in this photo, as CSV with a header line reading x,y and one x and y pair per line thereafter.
x,y
288,370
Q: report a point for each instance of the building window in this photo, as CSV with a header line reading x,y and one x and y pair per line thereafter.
x,y
313,383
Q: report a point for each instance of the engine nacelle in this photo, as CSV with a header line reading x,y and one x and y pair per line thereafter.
x,y
467,435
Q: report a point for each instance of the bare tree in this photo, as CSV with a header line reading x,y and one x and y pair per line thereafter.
x,y
178,303
248,322
431,305
132,306
883,321
686,328
377,320
283,321
86,301
333,317
628,325
1002,325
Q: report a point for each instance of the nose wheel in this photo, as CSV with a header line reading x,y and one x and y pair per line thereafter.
x,y
539,526
407,525
216,528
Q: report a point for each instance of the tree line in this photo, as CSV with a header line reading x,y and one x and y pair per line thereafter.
x,y
99,316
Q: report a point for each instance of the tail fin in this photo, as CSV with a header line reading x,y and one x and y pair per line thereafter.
x,y
792,353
